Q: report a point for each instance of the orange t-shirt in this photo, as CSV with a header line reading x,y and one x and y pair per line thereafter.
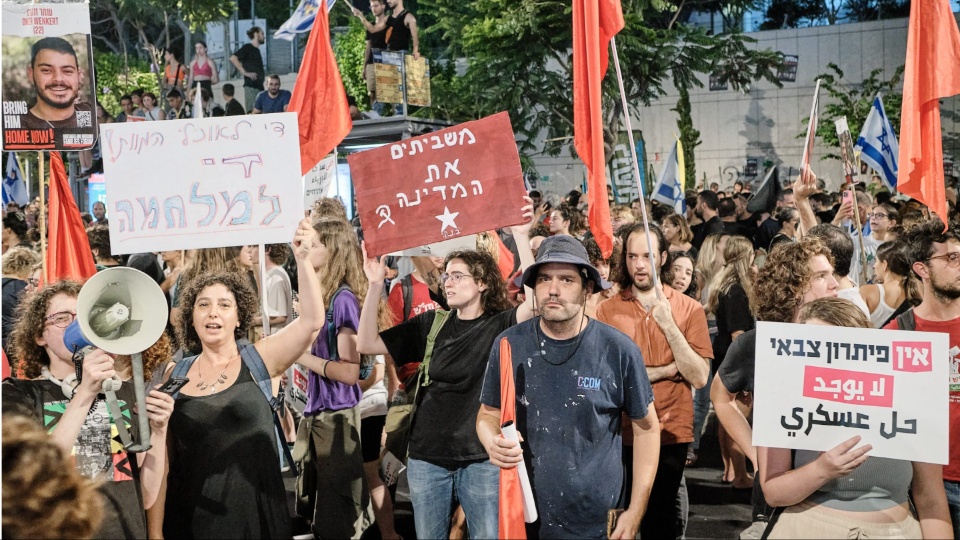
x,y
673,400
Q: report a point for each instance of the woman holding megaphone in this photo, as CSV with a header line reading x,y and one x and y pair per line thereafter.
x,y
76,415
224,479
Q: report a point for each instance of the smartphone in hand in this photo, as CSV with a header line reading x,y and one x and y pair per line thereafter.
x,y
173,385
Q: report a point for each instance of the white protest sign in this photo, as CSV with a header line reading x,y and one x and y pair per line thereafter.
x,y
817,386
440,249
202,183
296,388
320,180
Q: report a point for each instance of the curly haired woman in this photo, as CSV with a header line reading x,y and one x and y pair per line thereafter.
x,y
77,418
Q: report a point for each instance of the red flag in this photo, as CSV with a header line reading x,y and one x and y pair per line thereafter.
x,y
511,497
595,22
319,98
68,250
932,72
505,260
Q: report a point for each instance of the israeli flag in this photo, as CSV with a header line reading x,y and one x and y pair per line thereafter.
x,y
14,188
670,185
878,145
302,19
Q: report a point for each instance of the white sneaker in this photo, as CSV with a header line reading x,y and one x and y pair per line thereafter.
x,y
754,531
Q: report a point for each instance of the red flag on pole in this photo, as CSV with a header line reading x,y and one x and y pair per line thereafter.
x,y
319,98
932,72
594,23
511,496
68,250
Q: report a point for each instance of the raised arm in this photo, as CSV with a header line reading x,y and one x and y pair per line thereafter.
x,y
521,235
368,336
803,188
282,349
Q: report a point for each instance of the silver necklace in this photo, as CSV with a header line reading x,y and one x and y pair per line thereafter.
x,y
204,386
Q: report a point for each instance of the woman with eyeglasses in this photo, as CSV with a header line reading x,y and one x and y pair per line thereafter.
x,y
447,462
883,221
77,417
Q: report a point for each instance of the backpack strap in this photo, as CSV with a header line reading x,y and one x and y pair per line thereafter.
x,y
258,370
406,287
906,320
439,318
332,328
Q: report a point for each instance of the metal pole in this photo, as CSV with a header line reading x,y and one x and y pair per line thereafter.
x,y
42,217
263,290
654,271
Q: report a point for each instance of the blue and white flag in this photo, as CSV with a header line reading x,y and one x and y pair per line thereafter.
x,y
302,19
14,188
670,185
878,144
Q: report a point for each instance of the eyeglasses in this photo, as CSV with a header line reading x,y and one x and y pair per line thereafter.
x,y
878,215
61,319
952,259
455,277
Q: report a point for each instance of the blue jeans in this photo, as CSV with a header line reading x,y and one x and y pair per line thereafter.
x,y
953,500
435,491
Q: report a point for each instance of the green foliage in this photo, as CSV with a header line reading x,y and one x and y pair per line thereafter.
x,y
518,59
689,136
348,48
854,100
114,78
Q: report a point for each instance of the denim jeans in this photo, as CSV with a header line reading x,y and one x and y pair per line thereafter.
x,y
435,490
953,500
701,408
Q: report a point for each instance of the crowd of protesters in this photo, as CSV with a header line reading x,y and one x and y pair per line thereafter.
x,y
669,318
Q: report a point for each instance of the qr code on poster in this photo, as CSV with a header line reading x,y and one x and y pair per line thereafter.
x,y
84,119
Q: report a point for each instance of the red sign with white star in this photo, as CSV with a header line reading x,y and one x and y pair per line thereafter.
x,y
455,182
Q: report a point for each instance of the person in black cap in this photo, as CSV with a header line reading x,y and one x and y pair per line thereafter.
x,y
574,376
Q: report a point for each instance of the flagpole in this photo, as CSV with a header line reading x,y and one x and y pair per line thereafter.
x,y
636,171
42,217
856,215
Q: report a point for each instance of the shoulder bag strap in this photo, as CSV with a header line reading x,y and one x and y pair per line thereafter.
x,y
181,368
439,318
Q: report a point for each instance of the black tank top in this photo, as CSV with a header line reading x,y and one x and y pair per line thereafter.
x,y
224,479
398,35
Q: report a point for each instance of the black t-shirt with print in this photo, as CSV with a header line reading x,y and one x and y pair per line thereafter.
x,y
98,453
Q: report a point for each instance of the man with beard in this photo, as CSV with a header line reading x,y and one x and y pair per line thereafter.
x,y
671,330
273,99
706,210
573,377
935,253
57,78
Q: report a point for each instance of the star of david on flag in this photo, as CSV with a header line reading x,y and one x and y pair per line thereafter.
x,y
302,19
878,145
14,188
670,185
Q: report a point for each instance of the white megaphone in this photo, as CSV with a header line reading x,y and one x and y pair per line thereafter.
x,y
121,311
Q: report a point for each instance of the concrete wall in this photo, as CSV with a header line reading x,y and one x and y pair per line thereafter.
x,y
765,122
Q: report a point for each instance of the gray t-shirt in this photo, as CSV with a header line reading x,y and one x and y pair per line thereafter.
x,y
569,417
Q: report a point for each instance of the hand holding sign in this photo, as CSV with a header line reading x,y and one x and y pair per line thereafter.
x,y
806,184
527,213
842,459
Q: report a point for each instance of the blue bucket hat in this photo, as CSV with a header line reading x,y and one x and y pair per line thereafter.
x,y
564,249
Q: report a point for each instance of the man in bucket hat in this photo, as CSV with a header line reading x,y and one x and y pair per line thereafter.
x,y
574,376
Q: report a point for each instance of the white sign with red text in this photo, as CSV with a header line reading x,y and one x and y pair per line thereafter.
x,y
817,386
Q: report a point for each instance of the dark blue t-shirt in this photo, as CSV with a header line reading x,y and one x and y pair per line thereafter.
x,y
266,104
569,417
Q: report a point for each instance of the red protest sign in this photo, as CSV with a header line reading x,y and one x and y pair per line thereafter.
x,y
458,181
